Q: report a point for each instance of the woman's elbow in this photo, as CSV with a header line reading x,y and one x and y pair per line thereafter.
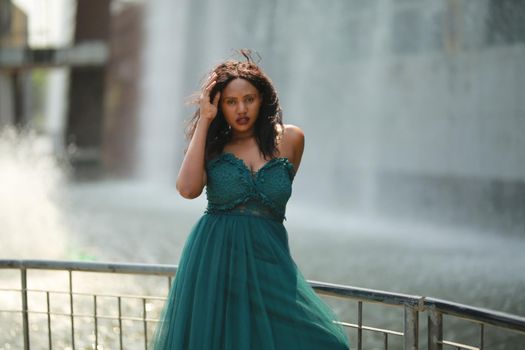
x,y
189,193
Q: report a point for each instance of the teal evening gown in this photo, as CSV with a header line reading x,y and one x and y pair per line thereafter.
x,y
237,286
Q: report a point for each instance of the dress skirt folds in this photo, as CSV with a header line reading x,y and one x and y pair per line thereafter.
x,y
237,286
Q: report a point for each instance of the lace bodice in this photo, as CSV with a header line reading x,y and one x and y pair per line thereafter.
x,y
233,188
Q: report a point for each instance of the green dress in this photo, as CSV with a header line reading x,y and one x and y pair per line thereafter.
x,y
237,286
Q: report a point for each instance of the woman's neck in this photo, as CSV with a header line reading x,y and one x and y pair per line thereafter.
x,y
242,137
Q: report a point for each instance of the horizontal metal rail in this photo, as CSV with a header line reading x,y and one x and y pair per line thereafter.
x,y
102,267
478,314
472,313
413,305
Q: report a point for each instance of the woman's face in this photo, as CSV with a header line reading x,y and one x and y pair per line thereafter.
x,y
240,104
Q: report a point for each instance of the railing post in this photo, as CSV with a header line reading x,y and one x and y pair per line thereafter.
x,y
481,336
411,328
145,324
360,325
48,308
72,317
435,330
95,316
119,298
25,311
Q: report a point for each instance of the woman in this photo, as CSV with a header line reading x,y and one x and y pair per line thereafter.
x,y
237,286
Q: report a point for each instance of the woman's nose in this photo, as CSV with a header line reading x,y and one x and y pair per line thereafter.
x,y
241,107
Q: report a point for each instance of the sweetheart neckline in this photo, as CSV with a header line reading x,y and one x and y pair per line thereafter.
x,y
256,173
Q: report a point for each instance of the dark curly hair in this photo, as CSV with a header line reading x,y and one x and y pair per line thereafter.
x,y
270,112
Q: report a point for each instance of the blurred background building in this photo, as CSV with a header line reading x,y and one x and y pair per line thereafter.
x,y
412,109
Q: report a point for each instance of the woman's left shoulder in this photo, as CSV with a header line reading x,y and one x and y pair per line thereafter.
x,y
293,133
293,142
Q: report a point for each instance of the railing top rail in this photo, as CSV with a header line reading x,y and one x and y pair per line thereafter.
x,y
487,316
484,315
370,295
84,266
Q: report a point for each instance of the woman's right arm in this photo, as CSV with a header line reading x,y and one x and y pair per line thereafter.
x,y
192,174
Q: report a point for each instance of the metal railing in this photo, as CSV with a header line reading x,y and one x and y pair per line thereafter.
x,y
412,305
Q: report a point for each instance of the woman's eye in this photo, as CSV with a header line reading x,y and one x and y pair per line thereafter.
x,y
249,99
230,102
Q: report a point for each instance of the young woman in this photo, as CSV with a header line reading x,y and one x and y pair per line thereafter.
x,y
237,286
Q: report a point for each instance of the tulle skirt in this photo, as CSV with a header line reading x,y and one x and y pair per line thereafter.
x,y
237,287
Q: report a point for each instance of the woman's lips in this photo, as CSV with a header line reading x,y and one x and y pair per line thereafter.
x,y
242,120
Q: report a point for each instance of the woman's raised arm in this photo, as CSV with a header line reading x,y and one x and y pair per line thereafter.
x,y
192,174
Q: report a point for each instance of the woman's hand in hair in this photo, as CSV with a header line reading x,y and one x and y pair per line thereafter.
x,y
192,175
208,109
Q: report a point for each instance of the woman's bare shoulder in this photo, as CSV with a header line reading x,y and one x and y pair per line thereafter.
x,y
293,143
293,134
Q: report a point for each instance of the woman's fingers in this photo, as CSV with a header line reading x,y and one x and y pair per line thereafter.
x,y
207,89
208,80
216,99
207,109
205,95
210,85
